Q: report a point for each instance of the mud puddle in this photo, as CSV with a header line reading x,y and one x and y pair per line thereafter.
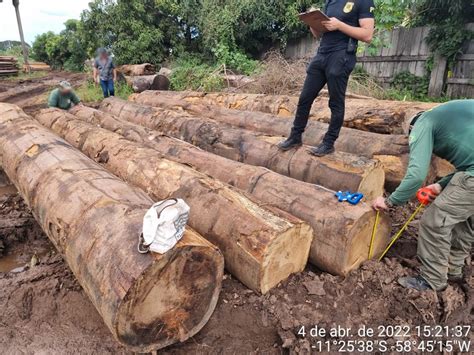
x,y
18,261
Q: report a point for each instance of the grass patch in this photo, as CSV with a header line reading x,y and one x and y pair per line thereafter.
x,y
25,76
90,92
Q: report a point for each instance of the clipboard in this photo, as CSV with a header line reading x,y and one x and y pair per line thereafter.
x,y
313,19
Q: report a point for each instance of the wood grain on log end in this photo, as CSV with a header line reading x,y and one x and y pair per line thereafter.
x,y
358,238
173,299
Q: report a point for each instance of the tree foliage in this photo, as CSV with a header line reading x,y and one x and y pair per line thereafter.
x,y
136,31
63,51
230,32
448,20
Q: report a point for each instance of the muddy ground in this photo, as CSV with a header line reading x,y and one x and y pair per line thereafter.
x,y
44,310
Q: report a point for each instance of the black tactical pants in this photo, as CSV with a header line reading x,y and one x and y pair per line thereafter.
x,y
334,70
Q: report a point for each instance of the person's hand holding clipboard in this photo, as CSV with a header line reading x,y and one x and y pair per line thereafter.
x,y
314,19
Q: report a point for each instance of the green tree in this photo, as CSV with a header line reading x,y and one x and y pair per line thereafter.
x,y
97,26
61,51
39,46
73,51
448,20
136,31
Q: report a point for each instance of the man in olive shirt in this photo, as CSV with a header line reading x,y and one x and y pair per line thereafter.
x,y
63,97
446,230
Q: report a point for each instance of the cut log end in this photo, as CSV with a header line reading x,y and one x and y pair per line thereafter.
x,y
287,255
159,310
341,259
361,238
372,184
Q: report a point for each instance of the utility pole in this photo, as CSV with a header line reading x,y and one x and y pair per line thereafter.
x,y
16,4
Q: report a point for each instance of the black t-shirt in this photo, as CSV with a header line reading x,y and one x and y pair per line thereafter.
x,y
349,12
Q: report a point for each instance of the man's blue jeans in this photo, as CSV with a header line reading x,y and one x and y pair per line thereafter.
x,y
107,87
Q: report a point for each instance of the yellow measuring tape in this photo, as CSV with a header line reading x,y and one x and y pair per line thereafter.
x,y
374,231
395,238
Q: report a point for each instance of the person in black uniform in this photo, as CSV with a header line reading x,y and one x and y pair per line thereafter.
x,y
350,22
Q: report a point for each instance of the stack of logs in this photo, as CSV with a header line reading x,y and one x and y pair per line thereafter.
x,y
8,66
143,77
36,66
267,212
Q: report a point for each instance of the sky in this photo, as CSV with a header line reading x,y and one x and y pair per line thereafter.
x,y
38,16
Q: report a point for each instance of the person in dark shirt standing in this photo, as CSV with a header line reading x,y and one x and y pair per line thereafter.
x,y
105,72
350,22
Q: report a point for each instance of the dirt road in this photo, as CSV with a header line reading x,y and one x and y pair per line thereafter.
x,y
44,310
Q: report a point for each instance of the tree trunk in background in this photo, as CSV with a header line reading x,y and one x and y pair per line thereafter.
x,y
148,82
341,240
339,171
261,246
94,220
137,69
378,116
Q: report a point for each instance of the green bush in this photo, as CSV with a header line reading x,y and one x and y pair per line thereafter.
x,y
192,73
235,60
411,86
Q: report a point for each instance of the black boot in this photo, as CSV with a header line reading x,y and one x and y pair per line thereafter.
x,y
322,150
293,141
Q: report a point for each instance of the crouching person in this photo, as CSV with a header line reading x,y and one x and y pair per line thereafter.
x,y
63,97
446,232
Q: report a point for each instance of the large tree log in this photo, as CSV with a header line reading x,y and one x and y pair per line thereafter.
x,y
341,237
350,140
261,246
391,150
340,171
148,82
137,69
379,116
94,220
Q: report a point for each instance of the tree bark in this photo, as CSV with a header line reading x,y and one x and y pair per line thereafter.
x,y
261,246
148,82
94,220
372,115
341,240
339,171
137,69
355,141
391,150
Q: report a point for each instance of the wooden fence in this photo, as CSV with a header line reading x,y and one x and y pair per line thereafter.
x,y
407,50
